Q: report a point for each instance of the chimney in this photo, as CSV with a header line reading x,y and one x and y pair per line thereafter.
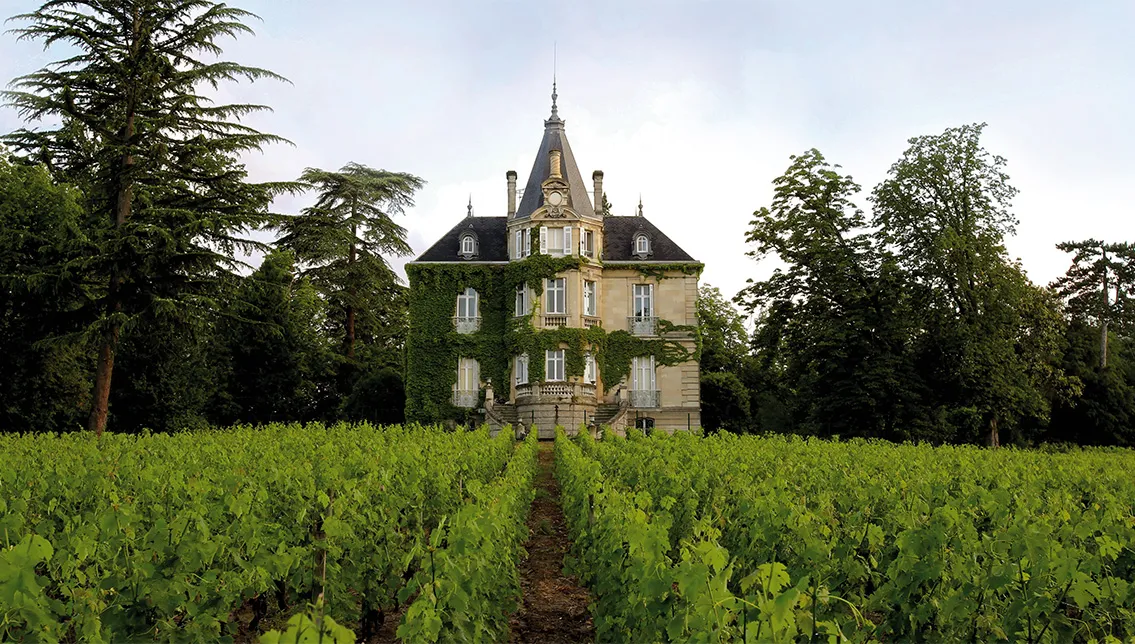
x,y
554,161
511,176
597,177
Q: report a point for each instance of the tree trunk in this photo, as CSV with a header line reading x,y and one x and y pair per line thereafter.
x,y
350,331
1104,314
994,436
100,401
1103,345
351,292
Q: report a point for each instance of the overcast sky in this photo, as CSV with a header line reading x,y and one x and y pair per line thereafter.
x,y
695,105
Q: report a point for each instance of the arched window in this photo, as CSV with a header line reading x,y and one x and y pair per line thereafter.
x,y
468,246
641,245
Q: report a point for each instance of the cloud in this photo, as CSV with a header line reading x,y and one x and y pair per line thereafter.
x,y
696,105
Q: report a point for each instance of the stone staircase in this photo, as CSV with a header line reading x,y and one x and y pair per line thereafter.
x,y
604,413
501,415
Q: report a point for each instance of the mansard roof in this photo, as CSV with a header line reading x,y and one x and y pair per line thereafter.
x,y
555,139
618,239
492,241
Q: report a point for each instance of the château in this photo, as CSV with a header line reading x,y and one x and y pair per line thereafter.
x,y
557,313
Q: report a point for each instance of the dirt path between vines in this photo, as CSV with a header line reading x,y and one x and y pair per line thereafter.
x,y
554,609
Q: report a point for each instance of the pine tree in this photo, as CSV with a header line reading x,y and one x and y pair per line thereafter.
x,y
342,240
1098,285
169,203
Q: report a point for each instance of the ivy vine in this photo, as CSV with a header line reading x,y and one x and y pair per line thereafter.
x,y
434,346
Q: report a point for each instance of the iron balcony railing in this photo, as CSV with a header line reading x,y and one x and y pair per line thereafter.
x,y
642,325
467,325
645,398
465,398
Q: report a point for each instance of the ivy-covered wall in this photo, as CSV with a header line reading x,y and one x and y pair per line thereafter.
x,y
434,346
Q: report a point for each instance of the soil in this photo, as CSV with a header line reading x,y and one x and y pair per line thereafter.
x,y
554,609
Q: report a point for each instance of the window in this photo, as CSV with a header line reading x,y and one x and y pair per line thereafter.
x,y
587,243
555,296
643,392
466,390
554,365
590,299
521,369
556,241
521,300
521,243
467,304
641,245
642,373
643,300
589,371
468,245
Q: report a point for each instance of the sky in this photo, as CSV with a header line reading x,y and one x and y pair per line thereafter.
x,y
696,105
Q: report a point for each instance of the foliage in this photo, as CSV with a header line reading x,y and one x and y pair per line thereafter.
x,y
434,345
312,627
44,384
1097,269
469,582
167,198
945,209
835,321
378,397
702,539
343,238
167,536
725,341
725,402
271,338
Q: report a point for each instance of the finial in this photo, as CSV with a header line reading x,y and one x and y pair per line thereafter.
x,y
555,112
470,207
640,204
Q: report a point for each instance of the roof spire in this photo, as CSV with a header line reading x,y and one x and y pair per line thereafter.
x,y
555,112
470,207
640,204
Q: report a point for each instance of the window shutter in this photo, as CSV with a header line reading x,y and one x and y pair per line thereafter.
x,y
582,242
517,245
543,240
567,240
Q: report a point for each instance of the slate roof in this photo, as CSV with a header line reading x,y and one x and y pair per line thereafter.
x,y
619,234
492,241
533,199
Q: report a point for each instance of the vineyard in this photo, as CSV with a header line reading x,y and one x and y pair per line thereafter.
x,y
728,539
286,533
175,537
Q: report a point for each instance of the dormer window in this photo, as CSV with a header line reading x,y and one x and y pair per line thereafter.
x,y
641,245
468,245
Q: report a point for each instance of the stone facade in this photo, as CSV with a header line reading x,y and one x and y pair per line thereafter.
x,y
631,277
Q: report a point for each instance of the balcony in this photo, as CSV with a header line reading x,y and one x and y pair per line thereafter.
x,y
555,390
645,399
591,321
642,326
555,320
467,325
467,398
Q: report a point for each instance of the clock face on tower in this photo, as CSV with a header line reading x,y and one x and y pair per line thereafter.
x,y
555,198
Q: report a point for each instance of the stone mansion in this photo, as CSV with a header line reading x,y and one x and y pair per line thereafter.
x,y
556,313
